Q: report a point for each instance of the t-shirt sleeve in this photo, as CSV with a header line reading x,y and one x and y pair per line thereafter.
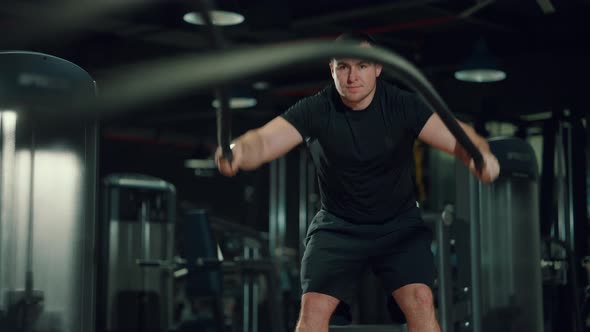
x,y
415,111
300,116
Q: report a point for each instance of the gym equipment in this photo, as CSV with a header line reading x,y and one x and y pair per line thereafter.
x,y
564,221
222,259
139,213
496,238
48,188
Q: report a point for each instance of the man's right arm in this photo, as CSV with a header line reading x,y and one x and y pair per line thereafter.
x,y
259,146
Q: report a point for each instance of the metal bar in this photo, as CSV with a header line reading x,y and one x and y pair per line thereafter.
x,y
570,187
30,230
445,291
170,243
246,294
88,315
255,290
561,193
246,305
282,204
111,232
475,193
274,299
510,285
145,251
547,191
570,225
272,207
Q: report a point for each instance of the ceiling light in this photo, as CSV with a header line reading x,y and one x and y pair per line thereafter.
x,y
218,17
261,85
480,75
238,102
481,66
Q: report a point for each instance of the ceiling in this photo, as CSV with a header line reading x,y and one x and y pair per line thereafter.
x,y
541,43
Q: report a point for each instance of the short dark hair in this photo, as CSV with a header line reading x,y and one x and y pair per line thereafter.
x,y
356,36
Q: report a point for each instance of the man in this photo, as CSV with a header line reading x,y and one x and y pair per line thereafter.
x,y
360,133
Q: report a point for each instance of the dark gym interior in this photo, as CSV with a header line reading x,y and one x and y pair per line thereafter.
x,y
114,217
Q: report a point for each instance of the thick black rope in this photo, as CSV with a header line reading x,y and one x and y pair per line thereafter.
x,y
180,75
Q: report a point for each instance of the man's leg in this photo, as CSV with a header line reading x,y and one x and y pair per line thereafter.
x,y
316,310
417,304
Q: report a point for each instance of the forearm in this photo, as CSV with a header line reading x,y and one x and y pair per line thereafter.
x,y
480,143
252,150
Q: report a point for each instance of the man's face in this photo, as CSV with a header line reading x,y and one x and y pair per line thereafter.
x,y
355,80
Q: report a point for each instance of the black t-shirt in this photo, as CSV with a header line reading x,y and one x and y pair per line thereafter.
x,y
363,158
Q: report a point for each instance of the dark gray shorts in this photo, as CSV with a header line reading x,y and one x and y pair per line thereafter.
x,y
337,252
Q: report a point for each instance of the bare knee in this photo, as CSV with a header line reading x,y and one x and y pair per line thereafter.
x,y
414,297
317,308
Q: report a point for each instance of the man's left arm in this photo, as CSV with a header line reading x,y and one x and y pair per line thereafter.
x,y
436,134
